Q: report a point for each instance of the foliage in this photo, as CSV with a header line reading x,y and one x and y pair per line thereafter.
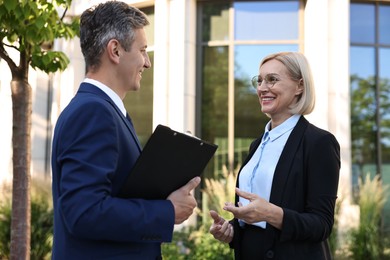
x,y
369,103
41,223
333,238
192,243
220,191
5,229
214,93
207,247
188,244
179,248
41,228
366,240
31,27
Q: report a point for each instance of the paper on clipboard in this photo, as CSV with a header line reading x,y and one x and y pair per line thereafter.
x,y
168,161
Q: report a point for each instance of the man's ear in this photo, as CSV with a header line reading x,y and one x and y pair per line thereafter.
x,y
113,50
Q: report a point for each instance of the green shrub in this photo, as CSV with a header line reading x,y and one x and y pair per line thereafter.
x,y
197,243
207,247
189,244
333,238
179,248
41,229
366,239
5,229
41,225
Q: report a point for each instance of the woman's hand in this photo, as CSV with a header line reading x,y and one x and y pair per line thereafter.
x,y
257,210
221,229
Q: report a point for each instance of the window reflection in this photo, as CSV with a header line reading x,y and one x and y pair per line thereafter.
x,y
363,106
215,21
384,25
149,30
384,84
214,107
247,57
139,104
370,93
362,23
276,20
384,76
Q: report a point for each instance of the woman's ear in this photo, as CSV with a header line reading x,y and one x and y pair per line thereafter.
x,y
300,88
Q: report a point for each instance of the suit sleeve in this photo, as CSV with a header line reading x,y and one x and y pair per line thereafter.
x,y
320,182
88,162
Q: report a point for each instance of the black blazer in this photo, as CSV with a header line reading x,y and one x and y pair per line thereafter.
x,y
305,185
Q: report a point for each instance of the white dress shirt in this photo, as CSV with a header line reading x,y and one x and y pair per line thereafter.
x,y
114,96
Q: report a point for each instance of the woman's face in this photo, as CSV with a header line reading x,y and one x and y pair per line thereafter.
x,y
277,91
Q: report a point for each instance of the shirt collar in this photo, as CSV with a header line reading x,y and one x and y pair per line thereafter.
x,y
114,97
283,128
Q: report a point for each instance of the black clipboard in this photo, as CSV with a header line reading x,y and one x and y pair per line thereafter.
x,y
168,161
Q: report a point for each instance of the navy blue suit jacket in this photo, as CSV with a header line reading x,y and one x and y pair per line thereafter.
x,y
305,185
94,149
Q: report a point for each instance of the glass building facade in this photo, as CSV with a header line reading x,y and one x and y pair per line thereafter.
x,y
230,48
370,93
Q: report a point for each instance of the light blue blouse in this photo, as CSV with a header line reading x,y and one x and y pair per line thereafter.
x,y
257,175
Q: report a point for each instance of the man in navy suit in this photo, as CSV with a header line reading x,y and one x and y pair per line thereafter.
x,y
95,147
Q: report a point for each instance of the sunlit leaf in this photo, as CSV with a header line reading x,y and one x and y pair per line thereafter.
x,y
29,24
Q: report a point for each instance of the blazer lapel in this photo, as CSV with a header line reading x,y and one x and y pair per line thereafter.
x,y
286,160
86,87
126,119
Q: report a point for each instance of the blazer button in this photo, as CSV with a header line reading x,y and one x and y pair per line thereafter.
x,y
270,254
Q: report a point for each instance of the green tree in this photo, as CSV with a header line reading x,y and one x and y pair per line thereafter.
x,y
363,127
29,27
363,120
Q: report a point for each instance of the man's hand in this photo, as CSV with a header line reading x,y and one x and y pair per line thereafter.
x,y
183,201
221,229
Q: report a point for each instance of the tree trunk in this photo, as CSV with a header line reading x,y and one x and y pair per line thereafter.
x,y
21,142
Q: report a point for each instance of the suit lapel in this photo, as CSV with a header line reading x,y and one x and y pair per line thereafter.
x,y
86,87
128,124
283,168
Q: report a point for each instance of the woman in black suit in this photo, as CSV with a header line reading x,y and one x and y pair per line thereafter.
x,y
287,187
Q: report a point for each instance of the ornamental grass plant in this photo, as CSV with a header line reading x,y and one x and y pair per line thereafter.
x,y
367,241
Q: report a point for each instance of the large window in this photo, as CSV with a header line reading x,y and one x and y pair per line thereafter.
x,y
233,37
139,104
370,92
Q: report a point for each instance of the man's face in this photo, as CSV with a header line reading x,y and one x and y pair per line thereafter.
x,y
134,62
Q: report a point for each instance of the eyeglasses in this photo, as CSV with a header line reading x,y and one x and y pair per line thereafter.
x,y
270,80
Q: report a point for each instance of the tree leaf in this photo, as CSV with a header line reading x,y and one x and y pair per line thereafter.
x,y
50,61
10,4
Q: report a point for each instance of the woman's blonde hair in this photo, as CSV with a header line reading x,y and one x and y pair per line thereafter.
x,y
298,67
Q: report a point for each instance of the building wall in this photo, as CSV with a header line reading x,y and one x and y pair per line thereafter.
x,y
326,46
